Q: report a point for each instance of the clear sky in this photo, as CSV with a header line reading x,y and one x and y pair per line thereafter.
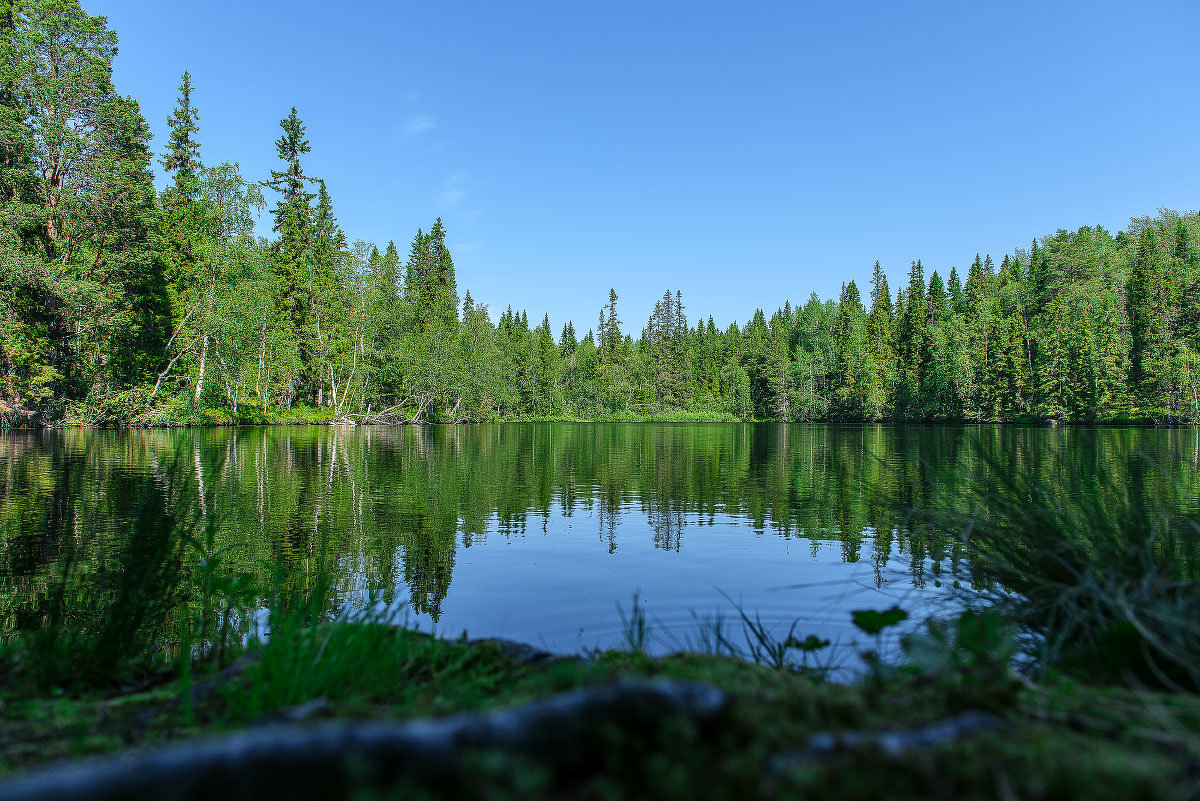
x,y
744,152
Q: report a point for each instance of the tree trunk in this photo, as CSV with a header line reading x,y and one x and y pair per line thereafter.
x,y
200,375
259,390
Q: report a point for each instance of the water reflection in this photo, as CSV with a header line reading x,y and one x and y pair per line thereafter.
x,y
533,531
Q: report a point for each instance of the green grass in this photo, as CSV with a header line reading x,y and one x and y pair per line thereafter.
x,y
1102,579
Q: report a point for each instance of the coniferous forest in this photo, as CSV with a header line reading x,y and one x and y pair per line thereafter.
x,y
121,304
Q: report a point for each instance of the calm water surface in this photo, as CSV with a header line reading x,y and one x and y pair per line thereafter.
x,y
536,532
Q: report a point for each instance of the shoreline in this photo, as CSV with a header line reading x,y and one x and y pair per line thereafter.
x,y
666,420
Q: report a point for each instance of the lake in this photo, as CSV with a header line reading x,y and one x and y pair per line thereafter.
x,y
537,532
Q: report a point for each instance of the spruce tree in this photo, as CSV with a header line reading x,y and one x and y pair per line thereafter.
x,y
567,340
546,362
978,312
955,290
290,182
1043,283
938,301
1151,346
1011,375
610,327
1056,382
182,159
852,356
779,367
881,348
291,252
911,335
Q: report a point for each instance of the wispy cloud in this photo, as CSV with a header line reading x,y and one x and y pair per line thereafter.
x,y
419,124
453,190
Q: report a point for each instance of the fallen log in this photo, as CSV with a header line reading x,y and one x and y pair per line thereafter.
x,y
565,733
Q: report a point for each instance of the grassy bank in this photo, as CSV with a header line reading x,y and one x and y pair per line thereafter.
x,y
1052,740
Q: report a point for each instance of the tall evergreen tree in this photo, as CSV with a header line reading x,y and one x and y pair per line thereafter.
x,y
182,159
1151,347
955,289
610,327
778,366
911,335
291,251
881,349
852,356
291,182
567,340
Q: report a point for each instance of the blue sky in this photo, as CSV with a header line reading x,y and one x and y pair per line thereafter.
x,y
742,152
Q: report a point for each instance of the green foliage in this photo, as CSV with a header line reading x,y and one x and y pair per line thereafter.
x,y
86,309
977,648
872,622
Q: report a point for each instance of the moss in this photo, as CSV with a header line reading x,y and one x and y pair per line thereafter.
x,y
1058,741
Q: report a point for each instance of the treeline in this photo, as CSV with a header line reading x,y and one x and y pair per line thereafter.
x,y
120,304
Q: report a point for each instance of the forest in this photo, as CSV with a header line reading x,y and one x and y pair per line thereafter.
x,y
124,305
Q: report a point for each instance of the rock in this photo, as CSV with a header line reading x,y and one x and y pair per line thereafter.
x,y
517,651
